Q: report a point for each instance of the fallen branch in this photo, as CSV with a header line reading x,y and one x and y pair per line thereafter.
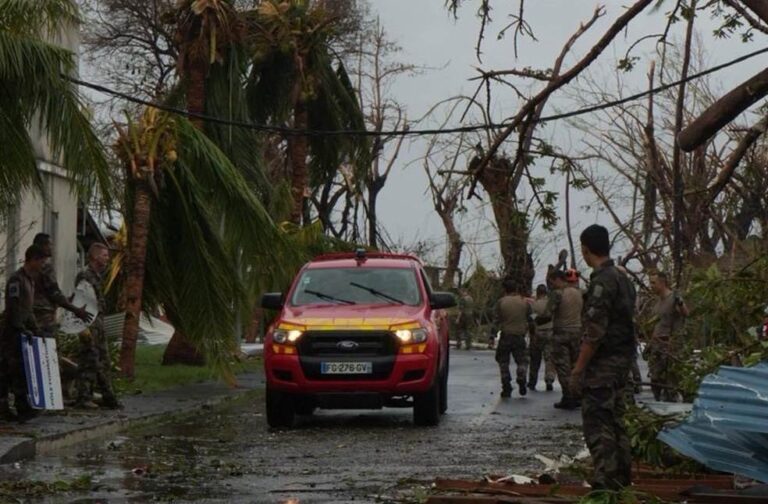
x,y
723,111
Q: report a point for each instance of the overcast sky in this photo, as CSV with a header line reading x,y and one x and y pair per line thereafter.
x,y
430,36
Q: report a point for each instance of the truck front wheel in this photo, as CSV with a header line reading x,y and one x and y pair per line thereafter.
x,y
426,406
280,409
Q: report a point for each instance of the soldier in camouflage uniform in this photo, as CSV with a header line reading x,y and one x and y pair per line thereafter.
x,y
601,371
514,316
94,362
19,321
541,344
564,310
465,321
48,295
669,313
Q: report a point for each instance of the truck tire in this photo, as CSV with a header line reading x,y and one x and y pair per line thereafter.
x,y
280,410
304,405
426,406
444,386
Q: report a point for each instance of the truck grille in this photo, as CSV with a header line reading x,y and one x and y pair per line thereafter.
x,y
346,343
377,347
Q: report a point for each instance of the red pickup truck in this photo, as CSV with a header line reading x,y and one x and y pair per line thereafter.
x,y
358,331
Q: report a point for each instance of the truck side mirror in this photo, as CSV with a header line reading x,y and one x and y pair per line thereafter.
x,y
442,300
272,301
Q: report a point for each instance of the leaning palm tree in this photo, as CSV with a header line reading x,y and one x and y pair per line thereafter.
x,y
180,250
295,79
212,63
36,96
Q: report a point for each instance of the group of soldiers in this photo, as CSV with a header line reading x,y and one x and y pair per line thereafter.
x,y
591,338
32,296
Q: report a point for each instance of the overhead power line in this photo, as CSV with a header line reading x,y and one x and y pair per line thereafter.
x,y
288,131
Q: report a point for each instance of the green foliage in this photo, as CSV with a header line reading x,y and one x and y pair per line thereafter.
x,y
725,310
485,289
725,306
23,490
293,64
152,376
643,428
36,97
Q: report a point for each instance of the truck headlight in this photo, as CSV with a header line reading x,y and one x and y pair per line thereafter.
x,y
286,336
411,336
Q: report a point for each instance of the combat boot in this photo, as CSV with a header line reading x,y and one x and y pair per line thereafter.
x,y
111,402
86,404
6,414
506,391
522,388
550,387
25,412
568,404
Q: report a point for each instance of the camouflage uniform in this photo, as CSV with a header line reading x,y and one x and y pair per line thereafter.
x,y
609,327
661,348
513,317
564,308
94,362
48,297
19,319
541,347
465,322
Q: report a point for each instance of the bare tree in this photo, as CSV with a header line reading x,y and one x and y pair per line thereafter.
x,y
446,187
132,44
375,68
636,142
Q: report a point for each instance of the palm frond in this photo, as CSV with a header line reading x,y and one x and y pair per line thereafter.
x,y
38,96
48,17
18,167
226,97
269,87
335,107
212,246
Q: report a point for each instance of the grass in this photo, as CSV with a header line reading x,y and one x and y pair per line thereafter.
x,y
152,376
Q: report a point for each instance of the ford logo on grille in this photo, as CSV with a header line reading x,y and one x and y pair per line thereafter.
x,y
347,345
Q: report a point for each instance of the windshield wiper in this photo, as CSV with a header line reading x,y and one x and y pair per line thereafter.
x,y
328,297
377,293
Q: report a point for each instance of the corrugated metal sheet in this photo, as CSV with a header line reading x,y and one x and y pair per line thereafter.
x,y
113,326
728,427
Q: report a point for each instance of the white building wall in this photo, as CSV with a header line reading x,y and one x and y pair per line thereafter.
x,y
54,212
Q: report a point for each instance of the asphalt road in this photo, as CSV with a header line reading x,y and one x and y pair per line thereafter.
x,y
229,455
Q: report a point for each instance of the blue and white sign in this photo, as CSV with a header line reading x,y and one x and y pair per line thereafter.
x,y
41,365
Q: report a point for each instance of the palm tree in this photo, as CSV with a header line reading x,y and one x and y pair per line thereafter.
x,y
37,96
212,65
180,250
291,42
206,32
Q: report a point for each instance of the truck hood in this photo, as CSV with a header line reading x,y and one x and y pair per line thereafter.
x,y
325,317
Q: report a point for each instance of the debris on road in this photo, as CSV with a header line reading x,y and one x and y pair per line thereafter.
x,y
693,489
727,429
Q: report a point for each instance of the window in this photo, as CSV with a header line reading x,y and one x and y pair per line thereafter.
x,y
371,286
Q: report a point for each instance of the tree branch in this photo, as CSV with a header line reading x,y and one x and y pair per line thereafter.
x,y
723,111
564,79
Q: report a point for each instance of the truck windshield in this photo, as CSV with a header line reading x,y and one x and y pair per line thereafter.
x,y
370,286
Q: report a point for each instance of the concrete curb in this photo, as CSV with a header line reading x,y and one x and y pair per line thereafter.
x,y
49,433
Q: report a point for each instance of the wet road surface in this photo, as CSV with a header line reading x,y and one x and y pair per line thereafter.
x,y
229,455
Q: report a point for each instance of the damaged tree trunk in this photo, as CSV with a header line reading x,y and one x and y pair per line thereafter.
x,y
511,222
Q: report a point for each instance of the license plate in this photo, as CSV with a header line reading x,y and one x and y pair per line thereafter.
x,y
346,368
